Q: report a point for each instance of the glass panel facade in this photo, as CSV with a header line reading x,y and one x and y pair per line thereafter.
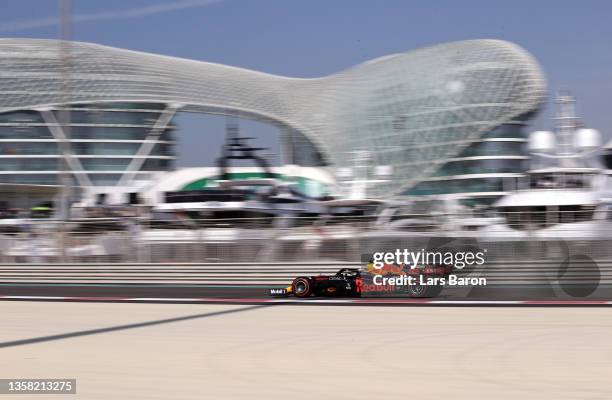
x,y
27,148
21,117
494,149
163,149
120,106
482,167
30,179
29,164
87,122
300,150
104,148
25,132
114,133
157,164
496,152
457,186
105,164
113,117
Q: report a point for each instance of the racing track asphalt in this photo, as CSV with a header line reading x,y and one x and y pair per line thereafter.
x,y
500,295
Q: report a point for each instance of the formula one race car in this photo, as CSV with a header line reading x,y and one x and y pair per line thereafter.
x,y
352,282
343,283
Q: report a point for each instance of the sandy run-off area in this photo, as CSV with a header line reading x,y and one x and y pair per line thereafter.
x,y
182,351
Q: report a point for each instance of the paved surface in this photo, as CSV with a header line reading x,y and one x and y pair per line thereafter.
x,y
162,351
261,292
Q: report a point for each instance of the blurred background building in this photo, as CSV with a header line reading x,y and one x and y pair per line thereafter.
x,y
110,144
444,120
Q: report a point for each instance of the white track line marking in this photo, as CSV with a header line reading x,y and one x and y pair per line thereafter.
x,y
311,301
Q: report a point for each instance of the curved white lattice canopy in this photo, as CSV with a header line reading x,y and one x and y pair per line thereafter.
x,y
412,110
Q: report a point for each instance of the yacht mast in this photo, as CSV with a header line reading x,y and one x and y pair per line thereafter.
x,y
566,124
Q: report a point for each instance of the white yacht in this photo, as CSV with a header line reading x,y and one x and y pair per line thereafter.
x,y
559,202
568,197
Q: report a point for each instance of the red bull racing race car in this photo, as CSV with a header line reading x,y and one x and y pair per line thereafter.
x,y
353,282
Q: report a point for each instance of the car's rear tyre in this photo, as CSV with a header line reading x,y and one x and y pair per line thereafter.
x,y
434,291
302,287
417,290
423,291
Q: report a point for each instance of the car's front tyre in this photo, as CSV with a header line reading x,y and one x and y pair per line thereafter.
x,y
302,287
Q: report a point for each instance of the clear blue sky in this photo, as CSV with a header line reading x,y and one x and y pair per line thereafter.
x,y
572,40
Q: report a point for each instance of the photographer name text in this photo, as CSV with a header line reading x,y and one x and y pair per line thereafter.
x,y
408,280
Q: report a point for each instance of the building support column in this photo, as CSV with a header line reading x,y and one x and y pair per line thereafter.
x,y
63,145
151,140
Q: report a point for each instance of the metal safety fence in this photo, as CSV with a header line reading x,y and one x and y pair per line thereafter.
x,y
304,240
278,274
